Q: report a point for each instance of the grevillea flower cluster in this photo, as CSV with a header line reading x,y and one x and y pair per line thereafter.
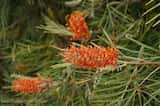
x,y
78,26
91,57
29,85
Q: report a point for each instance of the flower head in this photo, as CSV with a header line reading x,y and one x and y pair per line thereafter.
x,y
29,85
78,26
91,57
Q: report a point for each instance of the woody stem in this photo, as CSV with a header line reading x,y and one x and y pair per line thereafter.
x,y
141,63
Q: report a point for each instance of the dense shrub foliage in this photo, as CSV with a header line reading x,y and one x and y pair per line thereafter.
x,y
80,52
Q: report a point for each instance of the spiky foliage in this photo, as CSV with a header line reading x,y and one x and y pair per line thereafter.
x,y
132,26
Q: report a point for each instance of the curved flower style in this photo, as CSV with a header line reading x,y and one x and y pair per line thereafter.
x,y
29,85
78,26
91,57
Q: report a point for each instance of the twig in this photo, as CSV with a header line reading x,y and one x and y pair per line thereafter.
x,y
141,63
55,47
83,81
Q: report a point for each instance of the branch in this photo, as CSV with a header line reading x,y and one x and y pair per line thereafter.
x,y
141,63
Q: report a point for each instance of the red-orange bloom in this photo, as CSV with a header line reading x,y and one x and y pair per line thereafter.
x,y
91,57
29,85
78,26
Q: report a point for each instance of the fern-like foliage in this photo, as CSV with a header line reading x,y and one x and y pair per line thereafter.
x,y
153,8
33,34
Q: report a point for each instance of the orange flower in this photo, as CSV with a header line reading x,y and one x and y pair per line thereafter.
x,y
91,57
29,85
78,26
